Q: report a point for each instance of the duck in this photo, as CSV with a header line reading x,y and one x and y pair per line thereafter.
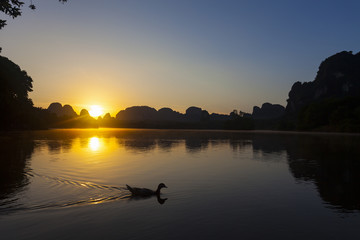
x,y
145,192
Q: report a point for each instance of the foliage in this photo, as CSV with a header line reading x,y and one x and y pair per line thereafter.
x,y
334,114
15,104
13,8
238,122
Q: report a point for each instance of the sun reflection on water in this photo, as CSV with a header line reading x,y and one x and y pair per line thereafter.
x,y
94,144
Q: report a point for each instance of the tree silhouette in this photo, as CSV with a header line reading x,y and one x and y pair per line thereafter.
x,y
15,104
13,9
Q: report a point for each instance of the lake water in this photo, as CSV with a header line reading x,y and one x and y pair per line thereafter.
x,y
70,184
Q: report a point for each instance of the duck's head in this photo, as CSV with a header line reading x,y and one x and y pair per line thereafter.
x,y
162,185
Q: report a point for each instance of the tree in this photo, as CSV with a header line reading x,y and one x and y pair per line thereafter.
x,y
15,104
13,9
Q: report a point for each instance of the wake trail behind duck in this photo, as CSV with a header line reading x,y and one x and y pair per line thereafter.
x,y
77,183
65,193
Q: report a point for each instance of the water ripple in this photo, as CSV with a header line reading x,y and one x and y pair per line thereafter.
x,y
77,183
94,194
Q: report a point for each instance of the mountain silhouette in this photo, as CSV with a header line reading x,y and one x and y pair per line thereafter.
x,y
61,111
84,112
332,101
145,113
138,113
329,103
167,114
338,76
268,111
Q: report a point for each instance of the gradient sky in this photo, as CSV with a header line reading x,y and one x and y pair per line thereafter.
x,y
217,55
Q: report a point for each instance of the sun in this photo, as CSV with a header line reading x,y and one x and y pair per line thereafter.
x,y
95,110
94,143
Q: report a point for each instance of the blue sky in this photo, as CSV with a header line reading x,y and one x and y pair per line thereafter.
x,y
218,55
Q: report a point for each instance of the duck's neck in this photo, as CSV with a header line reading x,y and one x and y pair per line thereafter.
x,y
157,192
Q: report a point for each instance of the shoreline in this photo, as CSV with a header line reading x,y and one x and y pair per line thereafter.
x,y
188,130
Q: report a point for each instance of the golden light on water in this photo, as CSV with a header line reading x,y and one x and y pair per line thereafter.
x,y
96,110
94,143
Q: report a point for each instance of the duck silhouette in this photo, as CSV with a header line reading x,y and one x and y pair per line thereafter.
x,y
145,192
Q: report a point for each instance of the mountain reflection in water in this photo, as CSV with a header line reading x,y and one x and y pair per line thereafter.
x,y
71,184
14,155
330,162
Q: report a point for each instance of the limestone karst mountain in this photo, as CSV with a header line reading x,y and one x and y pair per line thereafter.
x,y
338,76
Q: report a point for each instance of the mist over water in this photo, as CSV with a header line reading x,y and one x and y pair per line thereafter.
x,y
70,184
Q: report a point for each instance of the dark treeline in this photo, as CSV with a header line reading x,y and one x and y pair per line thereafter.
x,y
329,103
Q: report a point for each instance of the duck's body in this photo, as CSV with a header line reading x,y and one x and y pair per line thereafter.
x,y
145,192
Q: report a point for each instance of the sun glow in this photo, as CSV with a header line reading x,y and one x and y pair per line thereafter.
x,y
94,143
95,110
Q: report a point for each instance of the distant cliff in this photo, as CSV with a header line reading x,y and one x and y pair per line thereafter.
x,y
61,111
145,113
66,117
332,101
138,113
146,117
268,111
338,76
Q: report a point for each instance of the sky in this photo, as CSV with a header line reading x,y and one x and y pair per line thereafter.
x,y
218,55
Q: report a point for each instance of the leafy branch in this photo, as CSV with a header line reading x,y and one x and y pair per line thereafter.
x,y
13,8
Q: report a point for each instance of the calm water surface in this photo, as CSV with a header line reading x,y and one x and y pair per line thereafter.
x,y
70,184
